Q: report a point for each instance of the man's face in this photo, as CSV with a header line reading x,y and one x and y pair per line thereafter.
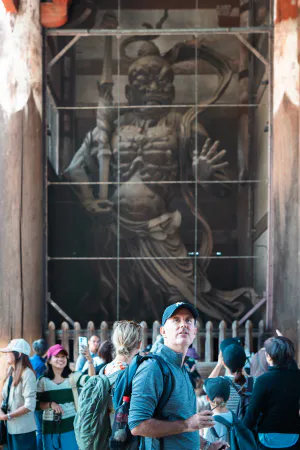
x,y
94,344
179,331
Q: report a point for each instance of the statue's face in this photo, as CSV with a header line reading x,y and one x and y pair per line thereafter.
x,y
150,82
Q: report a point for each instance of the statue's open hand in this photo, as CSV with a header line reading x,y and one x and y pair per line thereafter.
x,y
210,162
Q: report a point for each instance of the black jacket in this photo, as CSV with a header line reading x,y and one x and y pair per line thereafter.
x,y
274,406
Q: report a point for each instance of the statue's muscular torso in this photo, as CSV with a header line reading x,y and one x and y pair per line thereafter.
x,y
148,152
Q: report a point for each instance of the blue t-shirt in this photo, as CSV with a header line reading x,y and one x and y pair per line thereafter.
x,y
147,389
278,440
39,365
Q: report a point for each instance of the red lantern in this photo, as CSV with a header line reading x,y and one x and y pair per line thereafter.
x,y
55,14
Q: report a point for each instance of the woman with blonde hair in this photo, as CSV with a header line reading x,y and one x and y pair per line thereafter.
x,y
19,397
126,339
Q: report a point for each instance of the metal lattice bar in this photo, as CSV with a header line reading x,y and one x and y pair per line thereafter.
x,y
118,33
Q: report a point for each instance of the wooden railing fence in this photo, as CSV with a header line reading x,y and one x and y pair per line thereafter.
x,y
206,343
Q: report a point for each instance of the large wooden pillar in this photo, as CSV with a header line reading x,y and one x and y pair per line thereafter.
x,y
285,282
21,173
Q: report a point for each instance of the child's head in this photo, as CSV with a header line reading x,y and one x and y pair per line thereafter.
x,y
217,391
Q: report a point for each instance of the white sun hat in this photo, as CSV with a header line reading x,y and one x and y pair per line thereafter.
x,y
17,345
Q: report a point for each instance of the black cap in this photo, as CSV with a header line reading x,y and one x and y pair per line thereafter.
x,y
217,387
229,341
170,310
40,347
234,357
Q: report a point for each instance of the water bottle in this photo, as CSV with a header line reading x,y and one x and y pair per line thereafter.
x,y
120,431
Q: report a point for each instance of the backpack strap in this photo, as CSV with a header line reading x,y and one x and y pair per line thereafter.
x,y
74,390
168,380
250,384
238,390
223,421
214,433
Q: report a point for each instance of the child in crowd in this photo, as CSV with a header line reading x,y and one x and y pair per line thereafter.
x,y
217,393
227,427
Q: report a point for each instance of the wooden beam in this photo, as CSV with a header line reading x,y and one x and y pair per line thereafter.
x,y
94,67
260,227
166,4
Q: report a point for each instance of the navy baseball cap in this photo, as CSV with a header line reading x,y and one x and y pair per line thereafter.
x,y
170,310
217,387
229,341
234,357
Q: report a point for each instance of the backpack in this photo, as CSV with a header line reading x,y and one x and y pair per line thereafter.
x,y
123,387
92,424
245,397
240,437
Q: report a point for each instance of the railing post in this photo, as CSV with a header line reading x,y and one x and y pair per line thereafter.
x,y
65,336
235,328
144,335
103,331
90,329
261,330
209,342
248,335
197,341
77,330
51,339
155,331
222,331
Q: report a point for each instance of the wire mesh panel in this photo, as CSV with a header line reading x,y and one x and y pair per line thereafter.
x,y
158,190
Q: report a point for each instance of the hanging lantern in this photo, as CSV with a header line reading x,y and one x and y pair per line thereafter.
x,y
55,14
11,5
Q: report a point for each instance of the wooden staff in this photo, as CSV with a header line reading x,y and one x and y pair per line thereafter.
x,y
104,153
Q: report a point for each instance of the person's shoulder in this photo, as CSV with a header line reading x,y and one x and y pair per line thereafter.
x,y
264,379
149,366
76,375
28,374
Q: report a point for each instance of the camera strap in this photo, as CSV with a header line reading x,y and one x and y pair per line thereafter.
x,y
57,425
5,403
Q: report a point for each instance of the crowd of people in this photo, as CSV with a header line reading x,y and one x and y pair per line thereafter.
x,y
43,400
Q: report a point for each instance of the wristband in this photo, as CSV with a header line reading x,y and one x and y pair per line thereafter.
x,y
90,362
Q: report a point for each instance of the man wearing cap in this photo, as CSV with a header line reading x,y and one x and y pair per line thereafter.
x,y
180,429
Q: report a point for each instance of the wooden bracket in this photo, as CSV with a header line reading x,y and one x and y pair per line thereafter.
x,y
11,5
